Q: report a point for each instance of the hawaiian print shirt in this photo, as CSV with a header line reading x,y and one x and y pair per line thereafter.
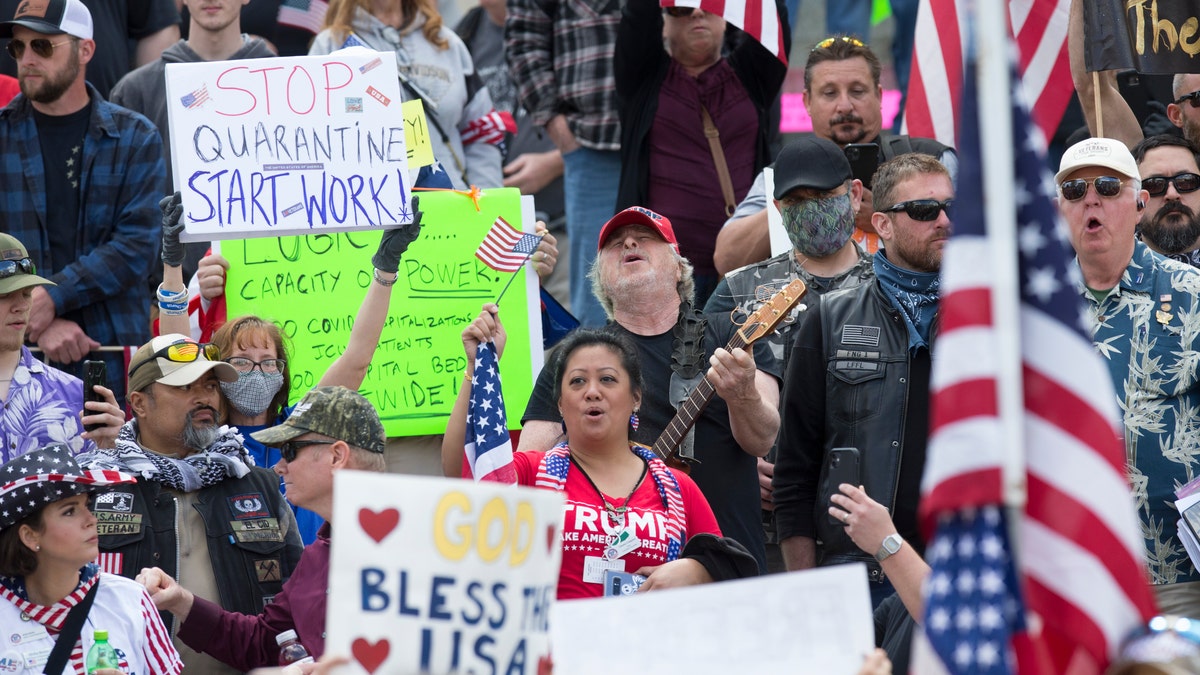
x,y
42,408
1148,330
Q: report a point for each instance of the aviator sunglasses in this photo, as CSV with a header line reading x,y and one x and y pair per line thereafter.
x,y
923,210
182,352
1183,182
1075,189
41,46
11,268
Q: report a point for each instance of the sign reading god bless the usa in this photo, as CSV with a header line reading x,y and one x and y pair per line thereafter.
x,y
436,575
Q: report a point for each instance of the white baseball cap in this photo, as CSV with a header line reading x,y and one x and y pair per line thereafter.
x,y
1106,152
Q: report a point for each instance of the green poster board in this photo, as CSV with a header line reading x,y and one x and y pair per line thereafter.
x,y
312,287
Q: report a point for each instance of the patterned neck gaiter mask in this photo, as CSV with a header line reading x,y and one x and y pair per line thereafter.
x,y
819,227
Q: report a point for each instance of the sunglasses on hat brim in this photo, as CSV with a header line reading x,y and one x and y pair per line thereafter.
x,y
182,352
11,268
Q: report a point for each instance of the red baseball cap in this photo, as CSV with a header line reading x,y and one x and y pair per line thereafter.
x,y
637,215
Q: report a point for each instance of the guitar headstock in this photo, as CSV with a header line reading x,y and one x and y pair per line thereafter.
x,y
766,318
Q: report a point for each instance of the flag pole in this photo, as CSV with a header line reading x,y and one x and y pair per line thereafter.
x,y
995,47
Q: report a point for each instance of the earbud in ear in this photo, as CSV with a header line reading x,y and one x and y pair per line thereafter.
x,y
1141,205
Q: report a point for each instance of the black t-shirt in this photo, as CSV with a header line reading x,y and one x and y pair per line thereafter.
x,y
117,28
61,141
726,475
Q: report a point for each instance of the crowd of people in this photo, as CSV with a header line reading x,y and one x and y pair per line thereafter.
x,y
189,503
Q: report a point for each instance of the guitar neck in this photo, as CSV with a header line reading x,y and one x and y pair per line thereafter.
x,y
685,417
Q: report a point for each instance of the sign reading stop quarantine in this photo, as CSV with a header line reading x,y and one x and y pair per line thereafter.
x,y
296,145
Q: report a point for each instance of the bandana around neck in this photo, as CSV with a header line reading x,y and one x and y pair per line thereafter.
x,y
225,458
915,294
52,617
552,474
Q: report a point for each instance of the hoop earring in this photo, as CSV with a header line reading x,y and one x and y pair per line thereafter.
x,y
633,421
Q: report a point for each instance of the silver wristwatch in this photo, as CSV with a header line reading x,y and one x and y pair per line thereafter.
x,y
891,544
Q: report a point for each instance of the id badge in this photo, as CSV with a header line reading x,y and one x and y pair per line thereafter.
x,y
594,566
625,542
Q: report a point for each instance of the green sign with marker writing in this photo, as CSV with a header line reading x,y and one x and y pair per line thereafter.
x,y
312,287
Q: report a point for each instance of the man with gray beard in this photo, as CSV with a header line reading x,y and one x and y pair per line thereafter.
x,y
200,508
1170,218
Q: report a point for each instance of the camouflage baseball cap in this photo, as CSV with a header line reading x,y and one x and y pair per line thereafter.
x,y
336,412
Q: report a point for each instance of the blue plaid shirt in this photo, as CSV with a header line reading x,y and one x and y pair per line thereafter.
x,y
123,177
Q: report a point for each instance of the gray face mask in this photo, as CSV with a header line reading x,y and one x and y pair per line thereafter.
x,y
253,391
819,227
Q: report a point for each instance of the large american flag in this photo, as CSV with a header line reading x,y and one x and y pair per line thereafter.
x,y
1079,585
505,249
935,85
488,448
759,18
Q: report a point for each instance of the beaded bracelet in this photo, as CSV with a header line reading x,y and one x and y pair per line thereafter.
x,y
385,282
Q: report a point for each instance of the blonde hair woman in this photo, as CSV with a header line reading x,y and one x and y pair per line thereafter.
x,y
435,66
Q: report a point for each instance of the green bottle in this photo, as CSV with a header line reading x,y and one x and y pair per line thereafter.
x,y
102,655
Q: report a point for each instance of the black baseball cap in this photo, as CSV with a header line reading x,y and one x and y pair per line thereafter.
x,y
810,162
51,17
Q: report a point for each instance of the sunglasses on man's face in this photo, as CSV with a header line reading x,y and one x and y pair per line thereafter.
x,y
923,210
182,352
10,268
1192,98
1183,182
289,449
41,46
680,12
1075,189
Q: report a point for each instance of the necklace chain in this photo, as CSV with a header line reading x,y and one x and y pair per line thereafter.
x,y
616,514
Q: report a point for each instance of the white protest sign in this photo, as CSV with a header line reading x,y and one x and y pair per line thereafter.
x,y
296,145
814,622
435,575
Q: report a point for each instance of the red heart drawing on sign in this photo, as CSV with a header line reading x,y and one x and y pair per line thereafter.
x,y
549,538
378,525
368,654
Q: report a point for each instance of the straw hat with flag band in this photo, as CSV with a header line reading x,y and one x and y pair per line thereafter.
x,y
43,477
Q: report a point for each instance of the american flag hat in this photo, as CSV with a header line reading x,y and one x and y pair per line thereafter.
x,y
44,476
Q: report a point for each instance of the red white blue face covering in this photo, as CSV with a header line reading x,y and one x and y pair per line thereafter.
x,y
819,227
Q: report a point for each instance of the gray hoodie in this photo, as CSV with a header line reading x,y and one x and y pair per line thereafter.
x,y
144,90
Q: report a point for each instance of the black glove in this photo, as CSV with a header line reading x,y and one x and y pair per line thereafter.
x,y
395,242
172,225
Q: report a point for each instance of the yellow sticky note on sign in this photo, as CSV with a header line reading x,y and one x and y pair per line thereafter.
x,y
416,134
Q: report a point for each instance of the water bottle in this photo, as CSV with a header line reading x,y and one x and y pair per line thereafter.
x,y
290,649
102,655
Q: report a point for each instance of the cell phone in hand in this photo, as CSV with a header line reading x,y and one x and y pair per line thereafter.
x,y
617,583
844,467
94,373
864,160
